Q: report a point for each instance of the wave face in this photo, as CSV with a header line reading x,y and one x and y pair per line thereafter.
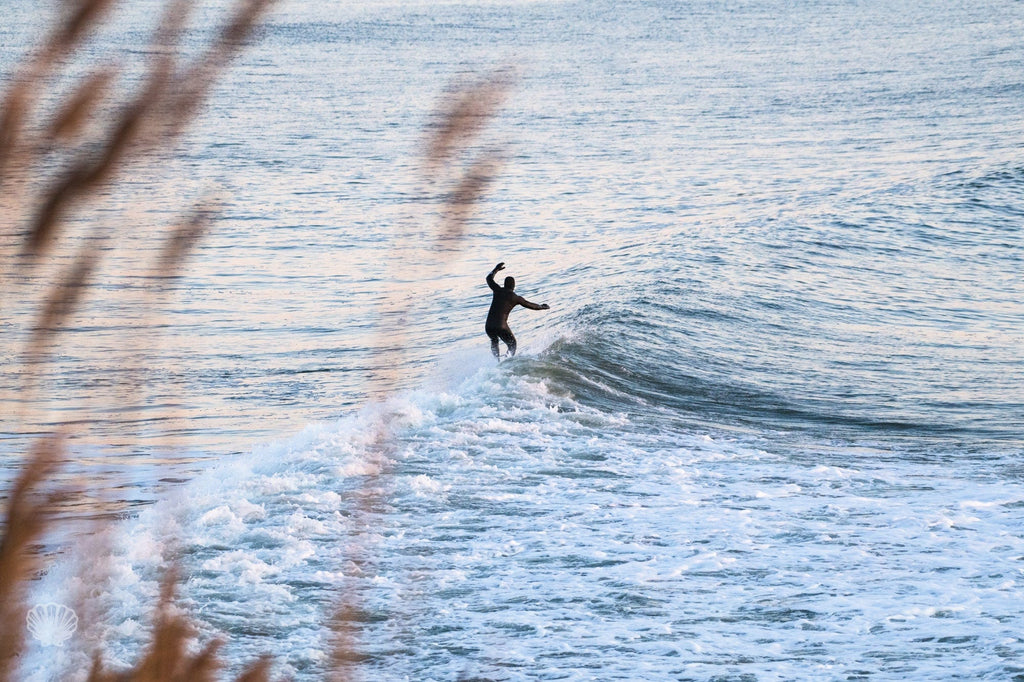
x,y
852,324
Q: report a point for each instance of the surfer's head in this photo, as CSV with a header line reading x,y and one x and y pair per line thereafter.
x,y
510,283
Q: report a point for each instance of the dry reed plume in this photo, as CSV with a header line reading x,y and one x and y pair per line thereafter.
x,y
55,158
461,116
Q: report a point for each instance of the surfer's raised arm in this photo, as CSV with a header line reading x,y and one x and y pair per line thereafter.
x,y
490,276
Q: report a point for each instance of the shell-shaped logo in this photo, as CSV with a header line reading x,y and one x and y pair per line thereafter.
x,y
52,624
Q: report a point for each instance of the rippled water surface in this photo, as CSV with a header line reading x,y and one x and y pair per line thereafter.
x,y
770,428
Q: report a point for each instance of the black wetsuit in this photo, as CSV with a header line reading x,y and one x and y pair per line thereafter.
x,y
497,317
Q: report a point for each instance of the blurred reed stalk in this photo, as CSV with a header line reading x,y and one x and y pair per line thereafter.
x,y
456,174
28,510
58,155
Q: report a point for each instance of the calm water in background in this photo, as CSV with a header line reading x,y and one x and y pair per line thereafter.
x,y
770,428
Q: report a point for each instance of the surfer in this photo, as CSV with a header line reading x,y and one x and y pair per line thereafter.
x,y
505,299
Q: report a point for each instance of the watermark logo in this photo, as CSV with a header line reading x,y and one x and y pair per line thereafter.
x,y
52,624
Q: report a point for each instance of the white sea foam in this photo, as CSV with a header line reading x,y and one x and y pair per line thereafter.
x,y
521,532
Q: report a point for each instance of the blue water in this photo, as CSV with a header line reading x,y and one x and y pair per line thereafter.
x,y
770,429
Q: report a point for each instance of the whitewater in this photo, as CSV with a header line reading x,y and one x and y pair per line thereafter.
x,y
522,535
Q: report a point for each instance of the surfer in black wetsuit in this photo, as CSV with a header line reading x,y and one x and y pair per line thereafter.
x,y
505,299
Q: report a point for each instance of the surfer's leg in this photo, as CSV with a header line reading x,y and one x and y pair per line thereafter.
x,y
494,344
510,341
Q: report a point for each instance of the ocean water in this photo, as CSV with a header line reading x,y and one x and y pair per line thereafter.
x,y
770,429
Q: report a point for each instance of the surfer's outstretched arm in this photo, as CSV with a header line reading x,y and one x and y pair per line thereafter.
x,y
490,276
533,306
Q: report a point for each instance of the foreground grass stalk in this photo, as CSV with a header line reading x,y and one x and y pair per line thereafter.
x,y
84,165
